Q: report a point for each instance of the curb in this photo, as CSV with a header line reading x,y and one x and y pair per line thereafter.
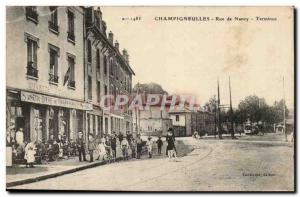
x,y
56,174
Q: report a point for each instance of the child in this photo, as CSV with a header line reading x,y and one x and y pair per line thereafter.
x,y
30,151
159,145
149,146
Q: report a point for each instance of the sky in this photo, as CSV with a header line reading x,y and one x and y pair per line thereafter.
x,y
189,57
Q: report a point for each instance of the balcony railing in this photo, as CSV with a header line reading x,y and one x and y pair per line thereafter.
x,y
71,36
53,78
53,27
71,83
32,71
32,14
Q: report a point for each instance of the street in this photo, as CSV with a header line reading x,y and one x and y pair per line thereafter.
x,y
213,165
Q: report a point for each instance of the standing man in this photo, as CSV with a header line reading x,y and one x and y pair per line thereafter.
x,y
114,146
81,146
91,147
159,145
139,146
149,146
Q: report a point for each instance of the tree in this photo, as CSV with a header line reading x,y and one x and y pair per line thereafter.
x,y
256,109
278,111
253,108
211,104
149,88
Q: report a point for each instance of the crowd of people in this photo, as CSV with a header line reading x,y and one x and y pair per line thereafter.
x,y
101,147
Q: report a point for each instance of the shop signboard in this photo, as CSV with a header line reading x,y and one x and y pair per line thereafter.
x,y
54,101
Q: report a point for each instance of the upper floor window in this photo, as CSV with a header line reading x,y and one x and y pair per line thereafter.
x,y
31,14
117,71
53,22
177,118
98,61
98,91
90,88
89,51
111,67
71,30
70,74
32,46
53,66
105,65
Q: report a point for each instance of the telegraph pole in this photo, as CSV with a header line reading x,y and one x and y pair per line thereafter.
x,y
219,114
215,106
231,112
284,118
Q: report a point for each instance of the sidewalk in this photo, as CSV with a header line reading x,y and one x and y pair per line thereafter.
x,y
19,174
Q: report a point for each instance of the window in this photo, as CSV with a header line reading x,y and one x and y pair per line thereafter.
x,y
105,65
53,64
105,90
98,62
71,35
100,125
32,58
117,71
70,75
177,118
53,23
111,67
31,14
90,88
98,91
105,93
89,51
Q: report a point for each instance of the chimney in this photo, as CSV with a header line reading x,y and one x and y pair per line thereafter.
x,y
117,45
125,55
111,37
99,12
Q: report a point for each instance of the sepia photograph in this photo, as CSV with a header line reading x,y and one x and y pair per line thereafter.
x,y
150,98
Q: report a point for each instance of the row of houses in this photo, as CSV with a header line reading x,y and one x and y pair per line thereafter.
x,y
60,61
155,122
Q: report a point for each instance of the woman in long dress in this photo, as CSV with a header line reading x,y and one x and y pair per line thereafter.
x,y
171,149
30,151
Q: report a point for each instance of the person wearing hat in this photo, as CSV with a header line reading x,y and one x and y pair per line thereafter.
x,y
81,146
171,149
149,146
91,147
159,143
139,146
125,146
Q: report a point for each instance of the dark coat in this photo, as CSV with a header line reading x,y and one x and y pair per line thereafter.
x,y
171,142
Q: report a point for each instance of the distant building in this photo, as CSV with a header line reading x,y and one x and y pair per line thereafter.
x,y
185,122
154,122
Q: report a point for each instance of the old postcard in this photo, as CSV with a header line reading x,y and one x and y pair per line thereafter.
x,y
165,98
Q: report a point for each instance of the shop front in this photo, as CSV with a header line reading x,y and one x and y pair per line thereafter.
x,y
94,121
40,116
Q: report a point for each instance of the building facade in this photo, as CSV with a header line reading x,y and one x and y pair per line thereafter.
x,y
45,72
107,72
153,121
186,122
